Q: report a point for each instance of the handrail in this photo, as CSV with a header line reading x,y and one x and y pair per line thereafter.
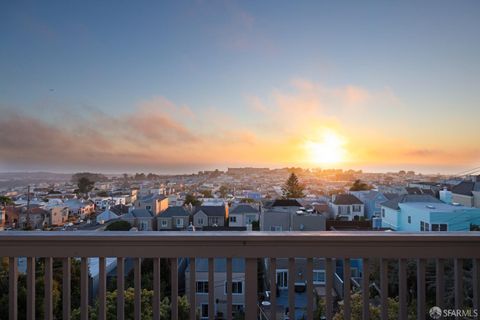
x,y
241,244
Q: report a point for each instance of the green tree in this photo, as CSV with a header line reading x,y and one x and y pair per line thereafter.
x,y
4,200
358,185
85,185
190,199
223,191
207,193
102,193
119,225
293,188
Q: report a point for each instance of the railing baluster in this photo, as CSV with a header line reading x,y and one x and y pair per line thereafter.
x,y
193,289
137,275
120,288
156,288
84,288
458,270
229,288
251,288
12,288
309,278
346,289
421,311
384,287
328,288
48,300
402,288
66,286
174,284
439,283
30,288
476,283
102,289
291,288
211,289
273,288
366,289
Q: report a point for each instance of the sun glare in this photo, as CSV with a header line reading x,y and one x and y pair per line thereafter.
x,y
329,150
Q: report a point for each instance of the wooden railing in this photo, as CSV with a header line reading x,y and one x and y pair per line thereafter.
x,y
383,246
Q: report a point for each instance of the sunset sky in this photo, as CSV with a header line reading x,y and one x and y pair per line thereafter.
x,y
128,86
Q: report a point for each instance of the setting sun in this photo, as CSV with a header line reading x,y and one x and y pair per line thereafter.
x,y
329,150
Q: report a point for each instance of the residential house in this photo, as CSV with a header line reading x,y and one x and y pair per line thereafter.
x,y
80,208
347,207
58,215
173,218
467,193
426,213
390,210
372,200
155,203
202,287
242,215
142,219
210,216
106,216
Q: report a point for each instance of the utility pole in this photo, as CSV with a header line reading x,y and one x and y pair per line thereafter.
x,y
27,222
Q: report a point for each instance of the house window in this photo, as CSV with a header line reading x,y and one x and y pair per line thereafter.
x,y
214,220
427,227
422,226
318,276
204,311
439,227
344,210
282,279
233,219
148,207
356,208
200,221
409,219
164,223
202,287
179,222
237,287
383,213
251,219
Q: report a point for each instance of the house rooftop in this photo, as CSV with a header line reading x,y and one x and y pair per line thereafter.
x,y
286,203
139,213
423,198
212,211
346,199
465,188
438,207
174,212
244,208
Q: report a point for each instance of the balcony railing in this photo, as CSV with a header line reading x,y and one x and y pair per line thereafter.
x,y
331,246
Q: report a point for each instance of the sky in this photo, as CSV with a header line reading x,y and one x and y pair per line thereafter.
x,y
182,86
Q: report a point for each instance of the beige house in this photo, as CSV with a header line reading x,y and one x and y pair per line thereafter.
x,y
155,203
174,218
210,216
467,193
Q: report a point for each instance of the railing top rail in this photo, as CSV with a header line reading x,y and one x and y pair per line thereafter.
x,y
241,244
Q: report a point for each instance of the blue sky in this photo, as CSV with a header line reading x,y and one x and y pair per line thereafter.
x,y
60,57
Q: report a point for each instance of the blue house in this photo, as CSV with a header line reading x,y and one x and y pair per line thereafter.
x,y
426,213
